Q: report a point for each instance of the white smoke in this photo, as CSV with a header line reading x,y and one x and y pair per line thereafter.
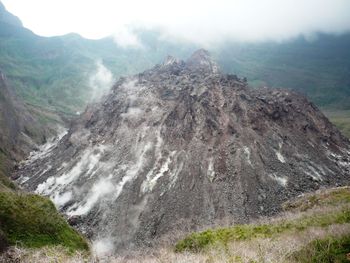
x,y
61,199
99,190
100,82
102,247
133,112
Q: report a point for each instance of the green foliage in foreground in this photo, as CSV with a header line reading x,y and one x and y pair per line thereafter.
x,y
32,221
199,241
326,250
196,242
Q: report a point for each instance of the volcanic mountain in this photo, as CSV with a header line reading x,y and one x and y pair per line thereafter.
x,y
182,146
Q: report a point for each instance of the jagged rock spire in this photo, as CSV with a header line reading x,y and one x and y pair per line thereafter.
x,y
170,60
201,60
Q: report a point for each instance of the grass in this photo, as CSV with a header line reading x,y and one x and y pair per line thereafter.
x,y
330,249
197,242
49,254
33,221
331,197
221,237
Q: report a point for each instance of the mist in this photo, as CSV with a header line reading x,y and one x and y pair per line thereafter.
x,y
200,22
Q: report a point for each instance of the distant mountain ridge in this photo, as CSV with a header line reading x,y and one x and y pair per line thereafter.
x,y
320,68
7,17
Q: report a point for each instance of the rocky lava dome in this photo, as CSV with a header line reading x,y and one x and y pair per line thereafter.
x,y
183,146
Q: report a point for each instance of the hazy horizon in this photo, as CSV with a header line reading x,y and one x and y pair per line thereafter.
x,y
199,22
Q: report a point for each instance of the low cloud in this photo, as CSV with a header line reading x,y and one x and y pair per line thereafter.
x,y
256,21
126,38
200,22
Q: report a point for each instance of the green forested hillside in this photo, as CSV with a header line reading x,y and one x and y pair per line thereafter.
x,y
318,68
54,72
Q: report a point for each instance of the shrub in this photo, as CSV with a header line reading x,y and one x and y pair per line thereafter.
x,y
33,221
324,250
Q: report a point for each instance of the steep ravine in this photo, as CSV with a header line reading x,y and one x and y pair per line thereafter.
x,y
182,146
20,130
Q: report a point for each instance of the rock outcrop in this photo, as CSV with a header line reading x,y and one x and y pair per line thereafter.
x,y
182,146
19,130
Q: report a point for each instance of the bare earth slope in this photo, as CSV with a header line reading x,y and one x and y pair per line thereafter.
x,y
182,146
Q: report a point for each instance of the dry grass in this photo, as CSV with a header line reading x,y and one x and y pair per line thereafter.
x,y
264,250
56,254
162,255
279,249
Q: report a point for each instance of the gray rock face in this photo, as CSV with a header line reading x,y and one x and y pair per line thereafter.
x,y
19,130
183,146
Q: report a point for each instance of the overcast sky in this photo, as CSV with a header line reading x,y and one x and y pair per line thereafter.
x,y
202,22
